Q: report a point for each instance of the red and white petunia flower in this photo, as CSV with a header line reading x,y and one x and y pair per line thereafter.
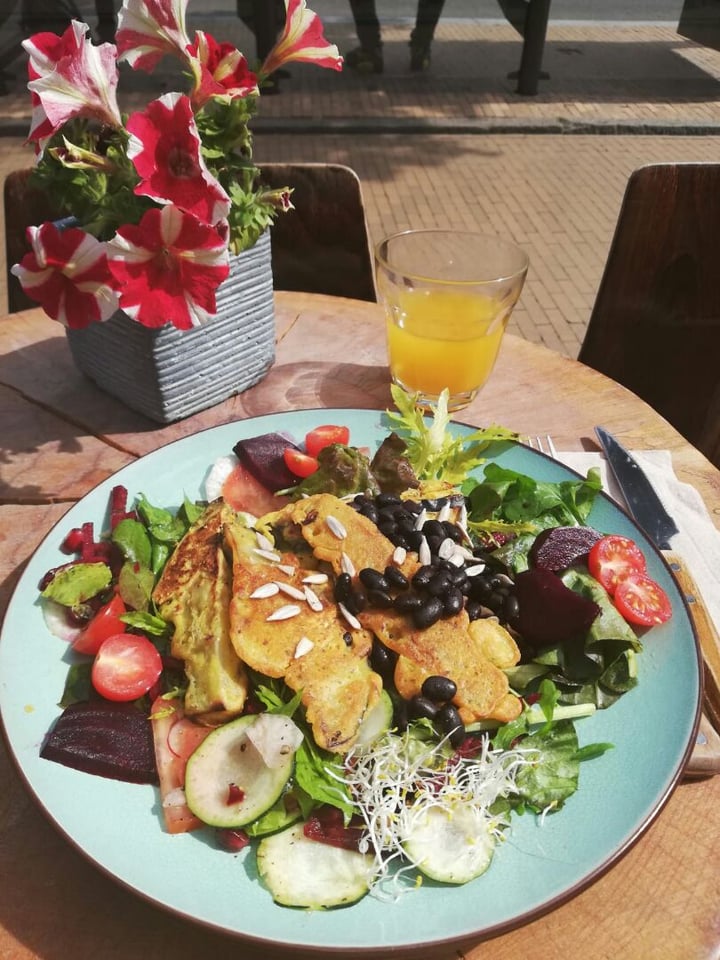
x,y
302,39
220,70
148,30
72,78
165,149
44,50
67,273
168,267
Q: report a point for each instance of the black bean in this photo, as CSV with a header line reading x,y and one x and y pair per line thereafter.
x,y
379,599
439,584
457,575
407,602
511,608
414,538
382,660
439,689
387,500
356,600
387,528
433,528
480,588
453,531
428,613
496,600
423,576
412,506
448,719
404,521
396,578
453,601
343,587
422,707
373,579
473,609
400,716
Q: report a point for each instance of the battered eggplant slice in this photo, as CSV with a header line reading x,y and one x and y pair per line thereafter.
x,y
454,648
280,630
194,594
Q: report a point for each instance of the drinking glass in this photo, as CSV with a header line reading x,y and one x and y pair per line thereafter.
x,y
448,295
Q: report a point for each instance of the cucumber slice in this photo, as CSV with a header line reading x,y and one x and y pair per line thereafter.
x,y
377,722
451,845
228,757
300,872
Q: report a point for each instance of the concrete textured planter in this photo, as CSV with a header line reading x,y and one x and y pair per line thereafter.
x,y
168,374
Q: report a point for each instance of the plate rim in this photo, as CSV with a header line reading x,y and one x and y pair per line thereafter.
x,y
410,948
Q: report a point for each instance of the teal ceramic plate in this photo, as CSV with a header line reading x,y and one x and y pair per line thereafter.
x,y
541,864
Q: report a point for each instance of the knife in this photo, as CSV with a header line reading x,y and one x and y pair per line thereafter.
x,y
649,513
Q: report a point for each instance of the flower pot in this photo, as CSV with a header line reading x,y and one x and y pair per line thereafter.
x,y
168,374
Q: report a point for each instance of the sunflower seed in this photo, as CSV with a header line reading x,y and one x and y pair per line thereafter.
x,y
446,549
424,554
316,578
347,565
313,600
456,559
265,590
421,518
445,511
287,568
304,646
350,617
284,613
335,527
399,556
268,554
290,590
263,542
474,570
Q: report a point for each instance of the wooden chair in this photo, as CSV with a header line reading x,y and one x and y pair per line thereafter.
x,y
655,324
322,246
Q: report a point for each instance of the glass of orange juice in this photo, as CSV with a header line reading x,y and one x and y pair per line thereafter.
x,y
448,295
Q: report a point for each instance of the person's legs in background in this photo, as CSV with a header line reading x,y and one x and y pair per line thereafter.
x,y
428,14
367,58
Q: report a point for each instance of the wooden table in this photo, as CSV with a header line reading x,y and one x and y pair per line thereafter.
x,y
60,436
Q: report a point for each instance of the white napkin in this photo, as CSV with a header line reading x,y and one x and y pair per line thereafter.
x,y
698,540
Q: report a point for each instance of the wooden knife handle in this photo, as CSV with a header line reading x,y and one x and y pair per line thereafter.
x,y
706,756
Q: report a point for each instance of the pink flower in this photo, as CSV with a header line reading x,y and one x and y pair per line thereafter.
x,y
165,149
167,268
302,39
67,273
220,70
150,29
73,78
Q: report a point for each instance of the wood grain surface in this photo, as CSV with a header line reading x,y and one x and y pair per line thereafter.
x,y
61,435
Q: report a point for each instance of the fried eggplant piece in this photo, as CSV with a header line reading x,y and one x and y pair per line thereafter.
x,y
314,649
194,594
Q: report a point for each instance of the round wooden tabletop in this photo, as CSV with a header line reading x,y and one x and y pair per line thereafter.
x,y
61,436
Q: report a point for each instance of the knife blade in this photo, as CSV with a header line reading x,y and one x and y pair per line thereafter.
x,y
651,515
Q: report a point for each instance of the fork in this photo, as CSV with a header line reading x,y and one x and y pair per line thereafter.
x,y
542,445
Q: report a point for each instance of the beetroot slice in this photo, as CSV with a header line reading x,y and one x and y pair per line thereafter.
x,y
558,548
263,457
107,739
549,612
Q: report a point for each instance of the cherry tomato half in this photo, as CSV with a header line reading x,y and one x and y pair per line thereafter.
x,y
325,435
613,558
642,601
299,463
126,666
104,624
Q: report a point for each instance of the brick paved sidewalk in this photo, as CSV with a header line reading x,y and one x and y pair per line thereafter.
x,y
459,147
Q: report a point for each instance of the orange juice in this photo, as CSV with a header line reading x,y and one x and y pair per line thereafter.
x,y
444,338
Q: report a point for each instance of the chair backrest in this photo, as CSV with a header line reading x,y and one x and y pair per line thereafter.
x,y
322,246
23,207
655,324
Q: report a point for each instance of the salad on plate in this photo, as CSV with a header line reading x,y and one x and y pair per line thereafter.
x,y
357,666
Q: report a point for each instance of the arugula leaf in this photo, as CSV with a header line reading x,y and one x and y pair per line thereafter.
x,y
433,451
313,768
